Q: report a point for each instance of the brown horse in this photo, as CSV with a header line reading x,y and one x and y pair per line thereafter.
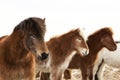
x,y
62,49
20,50
96,41
100,39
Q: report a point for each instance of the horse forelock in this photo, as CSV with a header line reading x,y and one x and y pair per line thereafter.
x,y
98,34
81,32
40,22
31,24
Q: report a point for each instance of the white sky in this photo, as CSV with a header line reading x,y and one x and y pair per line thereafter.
x,y
62,15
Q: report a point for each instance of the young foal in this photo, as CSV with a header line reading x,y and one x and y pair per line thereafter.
x,y
100,39
110,58
20,50
62,49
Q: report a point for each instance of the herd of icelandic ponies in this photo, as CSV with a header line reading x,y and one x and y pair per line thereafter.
x,y
25,55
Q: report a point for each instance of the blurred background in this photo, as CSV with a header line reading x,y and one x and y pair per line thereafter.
x,y
62,15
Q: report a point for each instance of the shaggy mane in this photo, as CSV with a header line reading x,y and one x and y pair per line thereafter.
x,y
100,33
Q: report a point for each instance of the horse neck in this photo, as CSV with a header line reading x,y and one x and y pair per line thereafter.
x,y
14,49
94,47
59,47
66,46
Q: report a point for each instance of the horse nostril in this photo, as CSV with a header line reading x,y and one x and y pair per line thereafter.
x,y
43,56
86,52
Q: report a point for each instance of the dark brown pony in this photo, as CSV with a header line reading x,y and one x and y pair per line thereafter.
x,y
96,41
62,49
20,50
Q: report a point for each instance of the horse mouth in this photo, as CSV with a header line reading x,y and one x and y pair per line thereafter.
x,y
42,62
42,65
113,48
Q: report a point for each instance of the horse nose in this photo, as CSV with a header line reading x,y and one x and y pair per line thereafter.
x,y
114,48
43,56
85,52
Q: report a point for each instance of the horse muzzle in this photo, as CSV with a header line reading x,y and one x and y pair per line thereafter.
x,y
85,52
43,56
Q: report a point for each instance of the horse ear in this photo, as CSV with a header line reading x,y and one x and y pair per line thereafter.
x,y
78,30
44,19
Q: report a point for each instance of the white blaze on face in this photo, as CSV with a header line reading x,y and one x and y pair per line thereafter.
x,y
83,51
81,32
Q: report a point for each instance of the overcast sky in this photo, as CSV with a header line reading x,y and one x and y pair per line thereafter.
x,y
62,15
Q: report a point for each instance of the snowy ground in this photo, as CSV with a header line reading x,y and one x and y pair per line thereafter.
x,y
109,74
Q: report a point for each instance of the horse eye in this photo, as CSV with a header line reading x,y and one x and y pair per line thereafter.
x,y
79,40
33,36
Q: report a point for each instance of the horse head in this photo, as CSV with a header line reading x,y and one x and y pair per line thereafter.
x,y
33,31
103,38
79,43
107,39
